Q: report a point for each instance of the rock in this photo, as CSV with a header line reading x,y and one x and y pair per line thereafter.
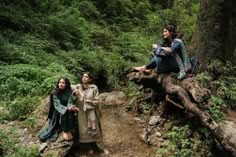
x,y
112,98
154,120
42,147
158,134
229,130
138,120
153,140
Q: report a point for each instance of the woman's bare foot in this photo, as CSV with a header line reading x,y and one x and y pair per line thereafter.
x,y
106,152
67,136
148,71
140,68
91,151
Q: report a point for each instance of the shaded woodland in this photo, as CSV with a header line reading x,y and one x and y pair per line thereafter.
x,y
41,41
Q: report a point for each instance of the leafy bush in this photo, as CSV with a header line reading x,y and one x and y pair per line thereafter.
x,y
215,109
203,78
88,10
25,80
181,144
26,49
26,152
21,107
5,142
183,14
225,82
21,80
133,47
10,147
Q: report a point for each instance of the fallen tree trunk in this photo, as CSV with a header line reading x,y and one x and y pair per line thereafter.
x,y
192,97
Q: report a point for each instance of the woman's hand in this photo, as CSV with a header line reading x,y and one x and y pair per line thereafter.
x,y
154,46
73,108
82,99
167,49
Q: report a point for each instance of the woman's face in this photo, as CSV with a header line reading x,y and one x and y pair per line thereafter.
x,y
85,79
166,34
62,84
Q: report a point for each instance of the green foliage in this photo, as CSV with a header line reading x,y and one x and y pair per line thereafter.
x,y
121,11
226,88
101,37
29,122
26,152
25,80
5,142
20,108
181,144
75,36
203,78
10,146
226,81
13,17
183,14
155,24
88,10
215,109
63,28
24,84
116,67
133,47
20,80
55,71
208,139
132,90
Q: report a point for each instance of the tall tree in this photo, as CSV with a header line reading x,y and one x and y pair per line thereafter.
x,y
215,33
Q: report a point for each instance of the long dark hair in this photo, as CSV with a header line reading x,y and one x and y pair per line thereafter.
x,y
67,81
57,91
173,35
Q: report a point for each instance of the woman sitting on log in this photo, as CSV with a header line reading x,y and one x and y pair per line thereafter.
x,y
169,55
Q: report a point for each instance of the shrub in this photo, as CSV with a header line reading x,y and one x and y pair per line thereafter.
x,y
29,80
203,78
5,143
21,80
10,146
181,144
215,109
20,108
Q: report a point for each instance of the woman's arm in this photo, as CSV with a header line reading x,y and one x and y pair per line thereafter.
x,y
94,101
70,102
176,46
58,106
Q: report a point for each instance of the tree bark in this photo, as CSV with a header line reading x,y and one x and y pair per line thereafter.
x,y
215,32
190,95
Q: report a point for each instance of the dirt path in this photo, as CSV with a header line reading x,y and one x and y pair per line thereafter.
x,y
121,135
120,132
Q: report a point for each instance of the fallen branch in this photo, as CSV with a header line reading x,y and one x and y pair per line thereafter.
x,y
191,96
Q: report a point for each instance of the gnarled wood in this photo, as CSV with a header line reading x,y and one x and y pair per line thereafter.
x,y
191,95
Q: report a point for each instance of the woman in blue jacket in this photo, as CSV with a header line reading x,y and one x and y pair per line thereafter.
x,y
169,55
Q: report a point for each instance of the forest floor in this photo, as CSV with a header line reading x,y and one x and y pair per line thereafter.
x,y
121,130
121,133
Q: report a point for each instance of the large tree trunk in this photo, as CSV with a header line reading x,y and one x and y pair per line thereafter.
x,y
188,94
215,33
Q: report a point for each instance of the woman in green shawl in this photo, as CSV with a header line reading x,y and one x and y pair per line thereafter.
x,y
61,112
